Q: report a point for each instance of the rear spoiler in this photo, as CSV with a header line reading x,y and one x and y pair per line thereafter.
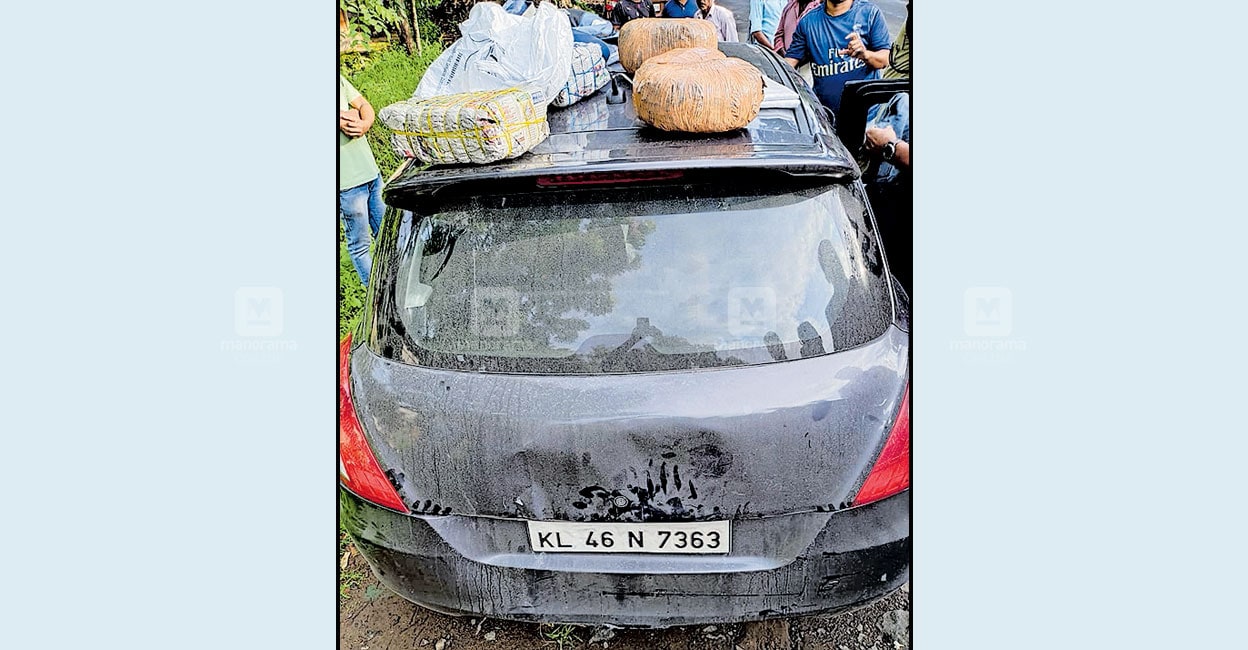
x,y
410,186
858,96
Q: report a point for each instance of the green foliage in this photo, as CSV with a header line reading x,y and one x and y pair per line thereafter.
x,y
383,78
348,580
348,577
562,635
388,77
369,16
411,18
418,8
352,39
351,292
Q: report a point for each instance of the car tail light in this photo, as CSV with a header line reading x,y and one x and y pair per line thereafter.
x,y
357,466
891,473
608,178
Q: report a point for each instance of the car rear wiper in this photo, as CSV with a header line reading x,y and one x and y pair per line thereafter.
x,y
447,250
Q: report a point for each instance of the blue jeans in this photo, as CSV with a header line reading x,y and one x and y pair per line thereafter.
x,y
361,208
895,113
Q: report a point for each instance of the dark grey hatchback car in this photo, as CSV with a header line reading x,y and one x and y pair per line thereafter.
x,y
633,378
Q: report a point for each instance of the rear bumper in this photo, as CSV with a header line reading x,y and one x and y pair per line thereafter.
x,y
780,566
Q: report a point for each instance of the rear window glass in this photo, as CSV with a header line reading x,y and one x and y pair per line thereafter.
x,y
605,282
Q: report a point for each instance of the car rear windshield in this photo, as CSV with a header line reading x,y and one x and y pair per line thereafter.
x,y
591,282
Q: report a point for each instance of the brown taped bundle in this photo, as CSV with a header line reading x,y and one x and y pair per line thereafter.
x,y
697,90
688,55
643,38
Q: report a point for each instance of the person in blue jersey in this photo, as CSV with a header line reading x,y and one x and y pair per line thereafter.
x,y
678,9
845,41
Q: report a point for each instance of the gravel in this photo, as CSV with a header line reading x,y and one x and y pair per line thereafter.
x,y
390,622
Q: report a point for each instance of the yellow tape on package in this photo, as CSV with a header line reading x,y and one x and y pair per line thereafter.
x,y
475,127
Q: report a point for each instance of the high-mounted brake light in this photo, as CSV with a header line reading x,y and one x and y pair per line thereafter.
x,y
357,466
891,473
608,178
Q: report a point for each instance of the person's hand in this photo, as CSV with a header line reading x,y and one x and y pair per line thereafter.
x,y
350,122
855,47
877,137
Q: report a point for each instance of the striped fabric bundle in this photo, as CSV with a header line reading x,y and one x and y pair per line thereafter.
x,y
586,116
589,73
475,127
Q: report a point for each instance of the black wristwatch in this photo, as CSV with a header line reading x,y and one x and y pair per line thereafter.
x,y
890,150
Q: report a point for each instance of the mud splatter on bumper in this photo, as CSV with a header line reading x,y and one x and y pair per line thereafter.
x,y
780,566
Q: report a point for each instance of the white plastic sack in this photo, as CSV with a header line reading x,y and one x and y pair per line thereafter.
x,y
498,50
589,73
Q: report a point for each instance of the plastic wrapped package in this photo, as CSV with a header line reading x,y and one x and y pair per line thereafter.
x,y
697,90
586,116
643,38
589,73
498,50
476,127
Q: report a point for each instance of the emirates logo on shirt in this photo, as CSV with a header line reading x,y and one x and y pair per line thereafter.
x,y
838,64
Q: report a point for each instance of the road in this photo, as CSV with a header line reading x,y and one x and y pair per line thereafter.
x,y
894,14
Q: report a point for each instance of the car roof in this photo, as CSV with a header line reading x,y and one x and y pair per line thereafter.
x,y
602,133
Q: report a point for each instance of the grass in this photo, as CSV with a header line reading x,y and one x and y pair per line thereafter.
x,y
562,635
350,290
383,78
348,580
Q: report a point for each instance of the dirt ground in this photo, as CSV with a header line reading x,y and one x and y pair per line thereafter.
x,y
371,617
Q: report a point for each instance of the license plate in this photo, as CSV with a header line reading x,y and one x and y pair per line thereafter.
x,y
708,537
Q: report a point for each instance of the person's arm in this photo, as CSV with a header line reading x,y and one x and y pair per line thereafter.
x,y
756,24
876,47
356,127
797,49
903,153
878,138
876,59
777,41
